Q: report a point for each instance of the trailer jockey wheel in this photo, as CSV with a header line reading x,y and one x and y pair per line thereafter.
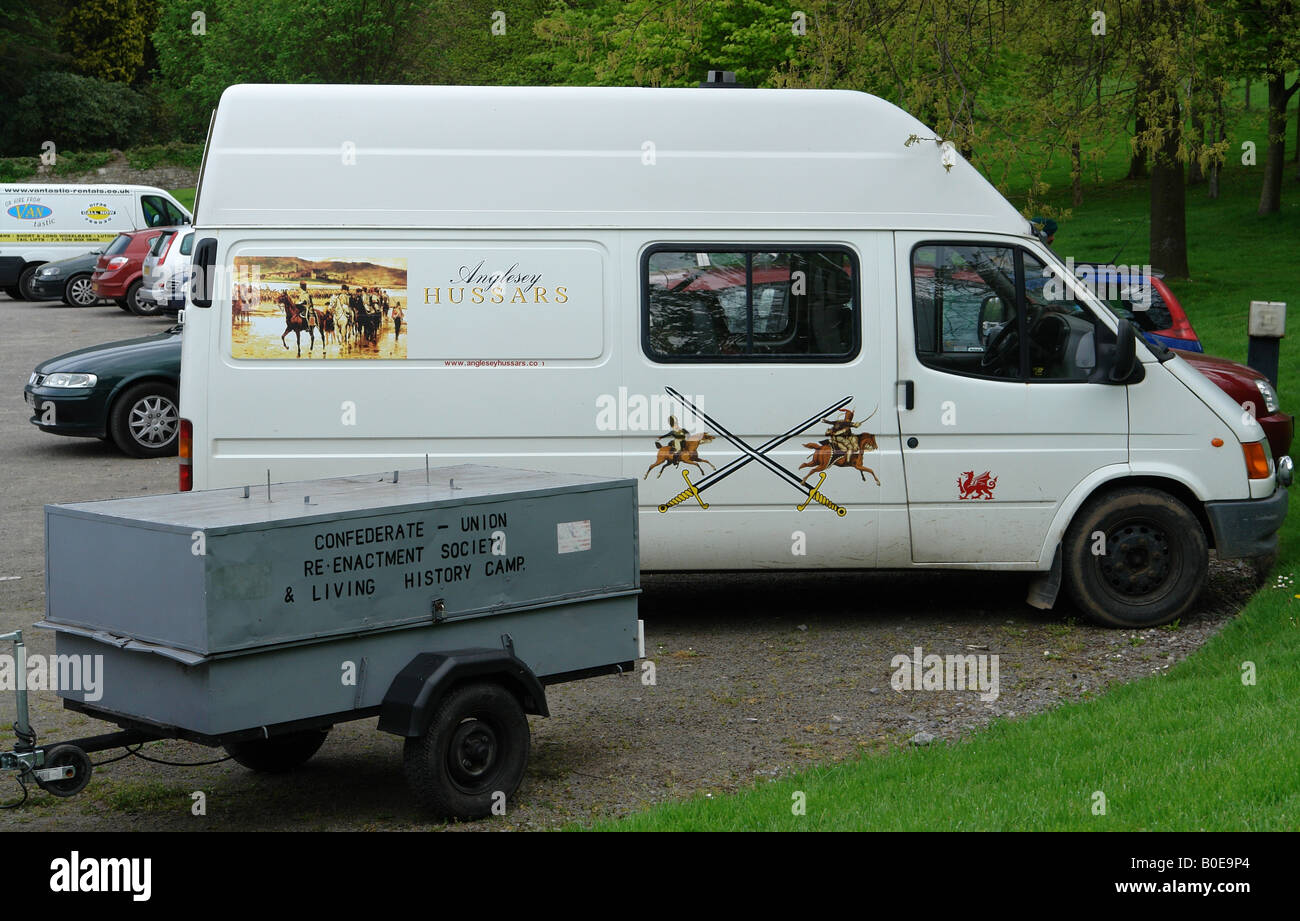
x,y
278,753
66,756
472,757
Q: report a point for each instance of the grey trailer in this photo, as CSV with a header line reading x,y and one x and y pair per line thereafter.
x,y
255,618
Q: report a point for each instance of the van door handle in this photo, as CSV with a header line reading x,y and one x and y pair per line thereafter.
x,y
909,394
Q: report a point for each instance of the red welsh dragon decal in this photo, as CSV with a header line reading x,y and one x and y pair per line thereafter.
x,y
976,487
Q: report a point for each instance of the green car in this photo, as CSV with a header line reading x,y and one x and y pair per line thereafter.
x,y
126,392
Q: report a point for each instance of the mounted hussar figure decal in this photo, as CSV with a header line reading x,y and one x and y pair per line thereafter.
x,y
842,447
682,448
971,486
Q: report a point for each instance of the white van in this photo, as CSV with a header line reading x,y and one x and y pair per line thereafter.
x,y
45,223
816,335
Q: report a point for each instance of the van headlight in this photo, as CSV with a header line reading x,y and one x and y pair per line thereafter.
x,y
69,380
1269,394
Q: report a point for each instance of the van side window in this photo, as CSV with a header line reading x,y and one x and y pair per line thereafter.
x,y
964,306
751,304
1062,332
964,301
155,210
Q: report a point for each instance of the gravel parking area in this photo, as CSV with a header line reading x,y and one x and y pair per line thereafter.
x,y
756,675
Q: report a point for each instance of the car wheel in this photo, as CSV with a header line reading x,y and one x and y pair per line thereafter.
x,y
145,420
473,753
1135,558
13,292
140,308
278,753
25,280
79,292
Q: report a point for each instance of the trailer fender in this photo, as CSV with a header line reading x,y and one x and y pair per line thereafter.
x,y
414,694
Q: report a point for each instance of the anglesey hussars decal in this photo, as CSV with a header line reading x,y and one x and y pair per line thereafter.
x,y
841,448
970,486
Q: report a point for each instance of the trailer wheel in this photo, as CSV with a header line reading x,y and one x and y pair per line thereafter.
x,y
472,755
278,753
1151,565
67,756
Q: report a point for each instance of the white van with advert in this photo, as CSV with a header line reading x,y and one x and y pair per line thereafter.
x,y
45,223
813,332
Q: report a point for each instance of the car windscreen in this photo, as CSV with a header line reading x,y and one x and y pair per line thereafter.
x,y
119,245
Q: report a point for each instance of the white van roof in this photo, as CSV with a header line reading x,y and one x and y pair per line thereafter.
x,y
465,157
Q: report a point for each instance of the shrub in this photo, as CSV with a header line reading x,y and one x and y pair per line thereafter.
x,y
76,113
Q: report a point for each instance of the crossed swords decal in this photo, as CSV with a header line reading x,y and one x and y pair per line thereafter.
x,y
810,493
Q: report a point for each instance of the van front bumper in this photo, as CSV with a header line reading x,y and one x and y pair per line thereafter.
x,y
1247,527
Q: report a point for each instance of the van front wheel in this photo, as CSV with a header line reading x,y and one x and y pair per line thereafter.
x,y
1135,558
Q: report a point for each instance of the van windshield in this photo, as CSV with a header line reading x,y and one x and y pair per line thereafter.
x,y
118,245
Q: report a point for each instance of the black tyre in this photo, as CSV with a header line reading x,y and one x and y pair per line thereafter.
x,y
25,281
1149,569
67,756
13,292
278,753
78,291
145,420
138,306
473,754
122,302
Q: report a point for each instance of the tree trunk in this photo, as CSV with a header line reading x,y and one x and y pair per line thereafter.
x,y
1137,164
1270,196
1169,197
1196,175
1218,131
1076,173
1248,94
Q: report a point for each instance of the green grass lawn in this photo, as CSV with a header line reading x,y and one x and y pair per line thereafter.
x,y
185,197
1192,749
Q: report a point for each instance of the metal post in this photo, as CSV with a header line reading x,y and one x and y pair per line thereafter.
x,y
22,725
1266,328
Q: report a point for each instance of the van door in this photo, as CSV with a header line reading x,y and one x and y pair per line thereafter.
x,y
765,346
1001,408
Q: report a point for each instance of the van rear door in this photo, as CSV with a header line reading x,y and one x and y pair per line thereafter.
x,y
1003,421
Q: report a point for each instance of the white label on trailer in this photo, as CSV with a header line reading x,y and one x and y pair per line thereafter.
x,y
573,536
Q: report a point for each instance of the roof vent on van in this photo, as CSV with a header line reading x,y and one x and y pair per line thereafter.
x,y
724,78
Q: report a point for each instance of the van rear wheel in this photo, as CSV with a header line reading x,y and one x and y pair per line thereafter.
x,y
1135,558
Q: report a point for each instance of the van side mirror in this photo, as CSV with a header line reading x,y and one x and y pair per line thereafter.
x,y
993,315
1124,361
203,263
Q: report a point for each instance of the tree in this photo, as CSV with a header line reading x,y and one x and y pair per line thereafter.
x,y
106,39
1263,38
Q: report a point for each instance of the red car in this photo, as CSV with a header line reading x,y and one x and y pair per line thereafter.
x,y
119,273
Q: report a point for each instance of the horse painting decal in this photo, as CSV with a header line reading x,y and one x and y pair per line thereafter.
x,y
970,486
347,308
841,448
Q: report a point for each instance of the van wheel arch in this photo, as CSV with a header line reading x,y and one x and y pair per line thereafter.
x,y
1155,562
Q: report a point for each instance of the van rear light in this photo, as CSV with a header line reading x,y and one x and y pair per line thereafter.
x,y
1256,460
186,452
